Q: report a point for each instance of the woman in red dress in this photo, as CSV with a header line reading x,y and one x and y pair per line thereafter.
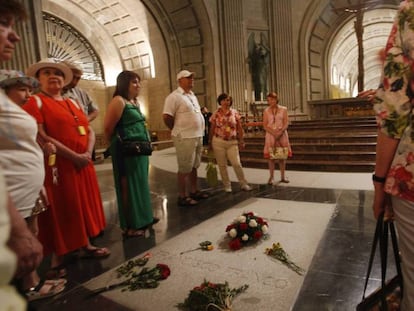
x,y
76,212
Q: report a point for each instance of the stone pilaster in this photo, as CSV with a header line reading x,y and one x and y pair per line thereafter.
x,y
232,51
283,68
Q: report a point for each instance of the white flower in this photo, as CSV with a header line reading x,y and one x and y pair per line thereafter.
x,y
265,229
233,233
253,223
241,219
245,237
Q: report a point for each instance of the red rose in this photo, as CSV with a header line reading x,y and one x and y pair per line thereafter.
x,y
259,220
257,235
235,244
244,226
164,271
248,214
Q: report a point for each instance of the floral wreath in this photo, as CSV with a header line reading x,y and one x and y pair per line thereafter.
x,y
247,228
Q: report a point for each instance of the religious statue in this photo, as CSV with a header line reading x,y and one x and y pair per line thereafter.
x,y
259,59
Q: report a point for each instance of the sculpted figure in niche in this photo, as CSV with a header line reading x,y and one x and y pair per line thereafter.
x,y
259,59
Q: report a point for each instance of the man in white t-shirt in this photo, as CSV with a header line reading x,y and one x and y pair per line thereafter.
x,y
182,115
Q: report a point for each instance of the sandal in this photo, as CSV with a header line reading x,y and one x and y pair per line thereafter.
x,y
98,252
199,195
133,233
270,181
286,181
154,221
45,289
57,272
187,201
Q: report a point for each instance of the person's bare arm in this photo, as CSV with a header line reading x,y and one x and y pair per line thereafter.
x,y
113,114
92,115
79,160
385,151
168,120
23,243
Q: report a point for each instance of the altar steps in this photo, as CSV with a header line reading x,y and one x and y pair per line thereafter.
x,y
334,145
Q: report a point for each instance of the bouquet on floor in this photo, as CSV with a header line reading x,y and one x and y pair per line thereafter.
x,y
277,252
136,277
211,296
245,229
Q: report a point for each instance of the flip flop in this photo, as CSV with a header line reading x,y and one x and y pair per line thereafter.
x,y
45,289
98,252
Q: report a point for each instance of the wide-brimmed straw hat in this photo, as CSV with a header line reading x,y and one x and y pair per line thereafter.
x,y
12,77
51,63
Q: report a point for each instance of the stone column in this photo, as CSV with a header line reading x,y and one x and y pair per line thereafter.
x,y
283,68
232,51
32,46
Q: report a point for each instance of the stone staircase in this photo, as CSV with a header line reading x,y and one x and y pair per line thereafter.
x,y
329,145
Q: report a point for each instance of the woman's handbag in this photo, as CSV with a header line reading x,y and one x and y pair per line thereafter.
x,y
41,204
211,171
135,148
388,296
278,153
211,175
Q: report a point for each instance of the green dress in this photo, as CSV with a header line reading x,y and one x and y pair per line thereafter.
x,y
138,212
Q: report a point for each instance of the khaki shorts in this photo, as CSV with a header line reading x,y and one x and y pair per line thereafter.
x,y
189,152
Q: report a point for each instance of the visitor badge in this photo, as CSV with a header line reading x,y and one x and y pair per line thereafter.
x,y
52,159
81,130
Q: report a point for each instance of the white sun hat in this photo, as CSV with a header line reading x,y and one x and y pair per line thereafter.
x,y
51,63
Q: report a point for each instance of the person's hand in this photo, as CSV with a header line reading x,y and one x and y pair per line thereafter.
x,y
368,94
382,202
81,160
28,250
49,148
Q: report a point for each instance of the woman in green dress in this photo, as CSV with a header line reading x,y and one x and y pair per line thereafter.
x,y
124,121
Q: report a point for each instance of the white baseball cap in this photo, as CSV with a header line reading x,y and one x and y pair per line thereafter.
x,y
184,74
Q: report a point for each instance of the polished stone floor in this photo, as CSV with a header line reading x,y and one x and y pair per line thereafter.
x,y
335,277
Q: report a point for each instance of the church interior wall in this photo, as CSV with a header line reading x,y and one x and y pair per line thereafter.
x,y
200,36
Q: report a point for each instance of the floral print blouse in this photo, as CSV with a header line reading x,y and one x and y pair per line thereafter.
x,y
226,123
394,102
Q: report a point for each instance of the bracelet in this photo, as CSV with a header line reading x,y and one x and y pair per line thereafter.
x,y
376,178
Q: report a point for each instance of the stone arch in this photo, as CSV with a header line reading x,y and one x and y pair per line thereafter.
x,y
320,24
146,36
